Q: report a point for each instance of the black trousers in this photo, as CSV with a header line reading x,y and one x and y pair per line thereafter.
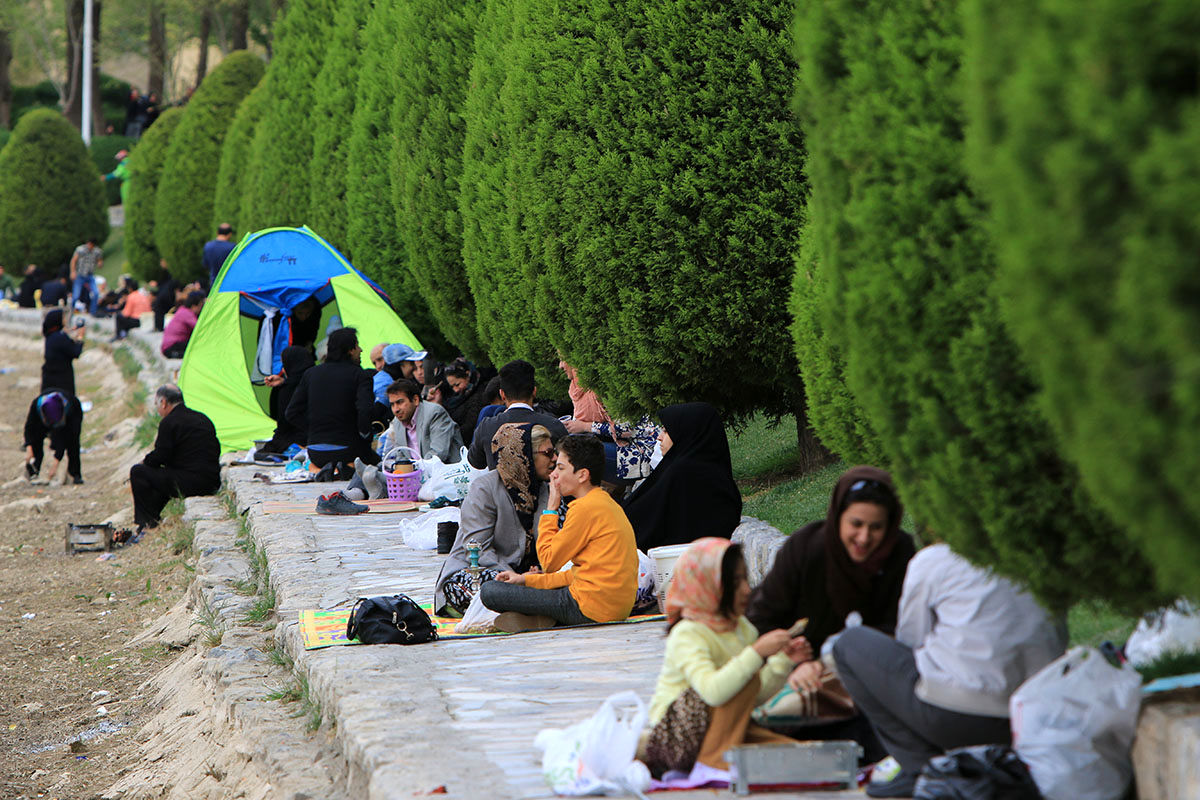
x,y
175,350
65,439
153,487
124,323
881,675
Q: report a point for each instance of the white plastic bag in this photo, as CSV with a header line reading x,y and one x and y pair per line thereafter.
x,y
1175,629
596,756
478,618
447,480
421,533
646,601
1073,725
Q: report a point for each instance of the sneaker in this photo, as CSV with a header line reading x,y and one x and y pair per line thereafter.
x,y
338,504
77,481
516,622
900,786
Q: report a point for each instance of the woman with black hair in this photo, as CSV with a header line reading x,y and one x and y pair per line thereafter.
x,y
335,406
716,667
691,494
61,349
467,395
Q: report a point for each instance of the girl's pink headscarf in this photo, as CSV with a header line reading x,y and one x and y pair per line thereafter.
x,y
695,590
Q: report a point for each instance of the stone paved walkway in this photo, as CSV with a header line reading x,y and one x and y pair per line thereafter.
x,y
460,714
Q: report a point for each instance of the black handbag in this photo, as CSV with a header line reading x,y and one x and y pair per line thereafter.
x,y
389,620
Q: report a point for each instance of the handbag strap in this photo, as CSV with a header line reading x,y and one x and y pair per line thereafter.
x,y
352,622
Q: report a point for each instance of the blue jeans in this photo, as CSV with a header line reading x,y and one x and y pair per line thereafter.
x,y
93,291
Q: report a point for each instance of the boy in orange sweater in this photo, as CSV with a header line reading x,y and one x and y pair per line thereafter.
x,y
596,538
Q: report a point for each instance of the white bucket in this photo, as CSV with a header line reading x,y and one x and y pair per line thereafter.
x,y
664,565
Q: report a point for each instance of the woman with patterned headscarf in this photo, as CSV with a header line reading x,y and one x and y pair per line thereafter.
x,y
500,514
716,668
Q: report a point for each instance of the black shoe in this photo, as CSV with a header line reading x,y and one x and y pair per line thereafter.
x,y
337,504
78,481
900,786
31,471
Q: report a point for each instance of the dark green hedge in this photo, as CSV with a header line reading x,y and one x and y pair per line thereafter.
x,y
333,110
277,183
434,42
184,204
1085,130
232,184
103,150
660,178
145,164
375,245
910,269
51,198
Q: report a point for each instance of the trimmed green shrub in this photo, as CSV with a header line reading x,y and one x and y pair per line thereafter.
x,y
333,110
375,246
103,151
495,256
1085,122
434,41
232,185
5,135
277,182
51,198
145,166
909,268
659,192
184,203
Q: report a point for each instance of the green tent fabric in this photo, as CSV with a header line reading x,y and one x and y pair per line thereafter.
x,y
275,269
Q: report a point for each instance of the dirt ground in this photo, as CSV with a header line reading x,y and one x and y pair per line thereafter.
x,y
70,685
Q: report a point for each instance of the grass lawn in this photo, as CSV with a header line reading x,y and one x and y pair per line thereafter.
x,y
765,467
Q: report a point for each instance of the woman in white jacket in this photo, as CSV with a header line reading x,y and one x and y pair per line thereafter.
x,y
965,640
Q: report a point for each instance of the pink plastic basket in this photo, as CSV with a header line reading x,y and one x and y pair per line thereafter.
x,y
403,485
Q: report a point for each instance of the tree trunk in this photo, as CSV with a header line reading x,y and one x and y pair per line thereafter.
x,y
5,81
158,50
205,33
241,24
73,81
813,454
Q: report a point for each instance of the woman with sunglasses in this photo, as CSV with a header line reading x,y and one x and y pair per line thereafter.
x,y
499,513
854,560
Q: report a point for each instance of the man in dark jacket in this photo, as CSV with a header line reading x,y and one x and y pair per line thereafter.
x,y
183,463
58,415
517,391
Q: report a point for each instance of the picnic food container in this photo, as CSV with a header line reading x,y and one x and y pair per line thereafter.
x,y
403,485
80,538
777,765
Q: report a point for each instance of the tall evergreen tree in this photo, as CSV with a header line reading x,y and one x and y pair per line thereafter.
x,y
232,176
145,168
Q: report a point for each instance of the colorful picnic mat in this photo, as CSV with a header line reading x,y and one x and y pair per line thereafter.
x,y
310,506
320,628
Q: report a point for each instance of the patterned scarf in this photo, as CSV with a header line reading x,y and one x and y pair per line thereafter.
x,y
695,589
513,447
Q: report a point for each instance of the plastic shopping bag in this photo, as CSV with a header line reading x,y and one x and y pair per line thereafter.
x,y
596,756
982,772
447,480
1175,629
478,618
646,601
1073,725
421,533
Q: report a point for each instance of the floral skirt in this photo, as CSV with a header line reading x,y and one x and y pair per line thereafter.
x,y
459,587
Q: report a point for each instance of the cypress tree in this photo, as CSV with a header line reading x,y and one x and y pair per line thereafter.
x,y
909,267
1085,122
278,191
374,238
145,167
434,42
663,198
51,197
187,186
232,185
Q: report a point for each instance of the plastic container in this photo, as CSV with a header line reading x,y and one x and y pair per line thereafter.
x,y
403,486
775,766
664,565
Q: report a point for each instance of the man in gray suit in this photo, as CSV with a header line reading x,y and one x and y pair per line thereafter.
x,y
422,425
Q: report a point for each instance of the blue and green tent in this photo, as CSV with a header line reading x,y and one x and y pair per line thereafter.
x,y
246,324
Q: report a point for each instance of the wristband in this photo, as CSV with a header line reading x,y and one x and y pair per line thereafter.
x,y
551,513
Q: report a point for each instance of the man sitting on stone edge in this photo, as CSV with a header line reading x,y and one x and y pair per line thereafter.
x,y
183,463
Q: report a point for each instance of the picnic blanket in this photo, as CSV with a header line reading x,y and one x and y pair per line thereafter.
x,y
310,506
320,628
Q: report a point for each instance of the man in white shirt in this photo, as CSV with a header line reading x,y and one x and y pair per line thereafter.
x,y
518,390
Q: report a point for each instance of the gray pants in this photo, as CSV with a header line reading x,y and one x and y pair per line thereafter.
x,y
556,603
881,675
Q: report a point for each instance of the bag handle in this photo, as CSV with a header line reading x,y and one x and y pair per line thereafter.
x,y
351,623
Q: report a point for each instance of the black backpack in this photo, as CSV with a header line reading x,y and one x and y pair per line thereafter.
x,y
389,620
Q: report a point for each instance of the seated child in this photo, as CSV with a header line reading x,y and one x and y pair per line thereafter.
x,y
596,538
716,668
